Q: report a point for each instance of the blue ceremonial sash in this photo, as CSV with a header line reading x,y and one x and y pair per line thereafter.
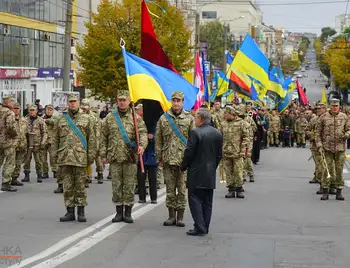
x,y
175,128
76,130
122,131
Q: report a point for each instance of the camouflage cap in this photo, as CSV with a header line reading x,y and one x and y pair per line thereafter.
x,y
240,109
123,94
230,110
49,106
7,97
17,105
177,95
33,107
248,103
334,102
321,105
85,104
72,97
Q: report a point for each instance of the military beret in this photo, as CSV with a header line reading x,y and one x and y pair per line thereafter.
x,y
334,102
72,97
123,94
8,97
230,110
49,106
33,107
85,103
177,95
17,105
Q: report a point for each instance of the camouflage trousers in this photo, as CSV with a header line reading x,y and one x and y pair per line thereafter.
x,y
74,191
124,176
337,160
274,137
100,167
160,176
248,165
233,168
9,156
48,150
59,178
38,160
301,138
319,165
175,182
20,158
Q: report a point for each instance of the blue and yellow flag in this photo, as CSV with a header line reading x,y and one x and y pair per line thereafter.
x,y
222,84
152,82
283,103
276,86
289,85
252,61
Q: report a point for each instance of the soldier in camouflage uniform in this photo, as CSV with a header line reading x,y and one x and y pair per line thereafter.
x,y
300,129
274,130
75,149
51,125
21,144
37,141
121,153
332,130
169,151
218,114
235,148
8,135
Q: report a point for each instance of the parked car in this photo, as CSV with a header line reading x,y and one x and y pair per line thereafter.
x,y
299,76
305,75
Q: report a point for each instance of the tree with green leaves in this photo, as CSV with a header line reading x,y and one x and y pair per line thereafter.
x,y
100,56
213,33
320,56
327,32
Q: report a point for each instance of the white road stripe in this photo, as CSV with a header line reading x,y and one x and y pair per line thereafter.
x,y
71,239
347,183
92,240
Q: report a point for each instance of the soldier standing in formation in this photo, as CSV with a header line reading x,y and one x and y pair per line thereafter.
x,y
118,146
37,139
51,125
21,145
172,132
332,130
300,130
75,149
275,127
235,148
8,137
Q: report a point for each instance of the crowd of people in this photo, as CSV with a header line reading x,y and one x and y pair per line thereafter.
x,y
83,135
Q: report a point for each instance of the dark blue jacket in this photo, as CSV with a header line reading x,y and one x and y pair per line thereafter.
x,y
149,156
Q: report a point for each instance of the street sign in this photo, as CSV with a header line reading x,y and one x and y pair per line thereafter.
x,y
60,100
207,67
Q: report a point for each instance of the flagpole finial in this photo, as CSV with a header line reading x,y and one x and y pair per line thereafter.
x,y
122,43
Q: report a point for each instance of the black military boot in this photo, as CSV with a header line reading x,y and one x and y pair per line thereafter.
x,y
179,218
26,176
55,175
119,216
230,194
332,191
313,181
325,195
109,177
172,218
127,215
89,180
320,191
251,179
40,178
15,182
339,196
70,215
99,178
59,189
6,187
45,175
81,214
239,193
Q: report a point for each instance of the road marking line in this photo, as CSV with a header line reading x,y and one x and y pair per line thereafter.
x,y
71,239
92,240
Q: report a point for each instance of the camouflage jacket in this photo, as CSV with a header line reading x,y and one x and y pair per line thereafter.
x,y
37,131
8,128
252,126
310,132
301,125
218,118
68,148
22,124
51,126
331,131
112,146
169,148
250,133
235,138
97,127
275,123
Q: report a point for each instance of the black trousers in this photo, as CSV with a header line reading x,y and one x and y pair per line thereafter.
x,y
151,174
201,204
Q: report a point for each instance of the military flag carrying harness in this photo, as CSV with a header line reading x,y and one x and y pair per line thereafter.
x,y
175,129
122,131
76,130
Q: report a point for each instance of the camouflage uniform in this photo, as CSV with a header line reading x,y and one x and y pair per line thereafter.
x,y
51,125
21,146
73,158
169,152
236,142
218,117
274,129
300,129
37,141
332,131
8,134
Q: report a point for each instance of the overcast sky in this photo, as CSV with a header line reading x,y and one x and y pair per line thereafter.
x,y
302,17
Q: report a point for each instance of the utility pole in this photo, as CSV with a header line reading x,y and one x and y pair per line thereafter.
x,y
67,46
225,48
90,9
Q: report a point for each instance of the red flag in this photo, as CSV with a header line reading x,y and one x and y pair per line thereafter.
x,y
302,96
151,50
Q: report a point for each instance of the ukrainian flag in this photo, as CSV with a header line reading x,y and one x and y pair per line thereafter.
x,y
283,103
152,82
222,84
276,85
289,85
252,61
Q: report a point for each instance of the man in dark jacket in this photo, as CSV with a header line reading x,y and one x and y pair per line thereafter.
x,y
202,157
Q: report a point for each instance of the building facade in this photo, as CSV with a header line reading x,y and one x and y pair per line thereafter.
x,y
341,22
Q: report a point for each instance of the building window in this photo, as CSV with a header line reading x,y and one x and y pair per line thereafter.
x,y
209,15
